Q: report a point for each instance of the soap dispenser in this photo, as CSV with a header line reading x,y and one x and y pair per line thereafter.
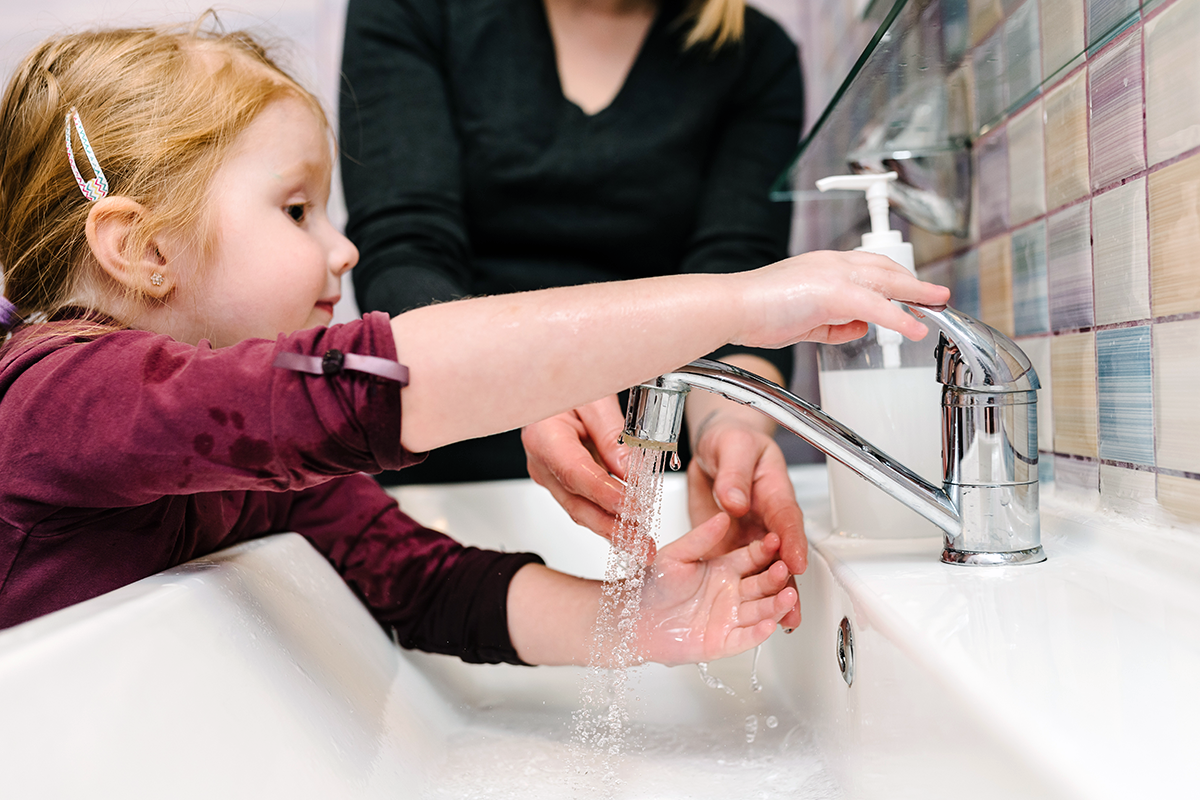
x,y
883,387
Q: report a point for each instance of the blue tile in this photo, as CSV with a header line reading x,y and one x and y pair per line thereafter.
x,y
1107,18
1045,469
1126,404
991,91
956,30
1031,312
1022,53
965,291
992,155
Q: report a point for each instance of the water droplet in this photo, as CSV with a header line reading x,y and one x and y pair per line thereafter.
x,y
772,722
755,686
675,462
751,728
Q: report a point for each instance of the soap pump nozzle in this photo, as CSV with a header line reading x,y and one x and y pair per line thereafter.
x,y
882,239
876,186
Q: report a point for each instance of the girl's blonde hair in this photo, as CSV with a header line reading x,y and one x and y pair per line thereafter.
x,y
718,22
161,107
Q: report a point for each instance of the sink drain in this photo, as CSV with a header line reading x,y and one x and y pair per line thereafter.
x,y
845,650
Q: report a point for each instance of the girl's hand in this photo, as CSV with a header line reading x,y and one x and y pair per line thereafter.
x,y
830,297
696,610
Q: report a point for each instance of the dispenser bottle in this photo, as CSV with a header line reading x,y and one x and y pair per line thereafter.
x,y
884,388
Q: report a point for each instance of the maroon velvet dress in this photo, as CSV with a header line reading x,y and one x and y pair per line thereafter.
x,y
128,453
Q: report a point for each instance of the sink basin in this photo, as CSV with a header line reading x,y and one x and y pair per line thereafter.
x,y
256,673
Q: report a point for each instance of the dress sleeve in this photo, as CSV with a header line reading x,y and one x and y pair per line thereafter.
x,y
400,157
738,225
433,593
147,416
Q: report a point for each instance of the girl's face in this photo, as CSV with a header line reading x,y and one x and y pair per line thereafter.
x,y
277,262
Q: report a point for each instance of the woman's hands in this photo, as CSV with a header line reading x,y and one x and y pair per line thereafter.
x,y
736,468
696,608
577,458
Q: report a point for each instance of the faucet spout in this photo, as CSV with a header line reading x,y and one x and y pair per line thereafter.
x,y
987,506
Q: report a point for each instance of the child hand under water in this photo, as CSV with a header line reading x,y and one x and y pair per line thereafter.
x,y
169,386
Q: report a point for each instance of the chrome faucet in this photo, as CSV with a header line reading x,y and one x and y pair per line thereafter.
x,y
988,503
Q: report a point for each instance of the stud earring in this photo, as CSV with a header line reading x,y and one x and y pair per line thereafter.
x,y
157,279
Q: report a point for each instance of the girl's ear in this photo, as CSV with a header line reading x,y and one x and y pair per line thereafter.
x,y
110,227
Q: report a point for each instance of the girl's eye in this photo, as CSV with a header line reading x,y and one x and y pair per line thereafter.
x,y
296,211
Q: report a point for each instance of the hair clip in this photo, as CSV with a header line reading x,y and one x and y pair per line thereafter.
x,y
97,187
9,316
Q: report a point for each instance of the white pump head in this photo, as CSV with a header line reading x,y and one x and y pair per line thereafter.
x,y
882,239
875,185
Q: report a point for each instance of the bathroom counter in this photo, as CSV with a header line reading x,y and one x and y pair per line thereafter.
x,y
256,673
1083,670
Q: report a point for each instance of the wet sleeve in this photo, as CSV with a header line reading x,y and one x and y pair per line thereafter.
x,y
130,417
738,225
400,157
433,593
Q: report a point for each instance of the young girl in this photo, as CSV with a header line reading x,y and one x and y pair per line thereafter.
x,y
169,387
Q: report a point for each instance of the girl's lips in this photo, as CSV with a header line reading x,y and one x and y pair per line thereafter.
x,y
326,306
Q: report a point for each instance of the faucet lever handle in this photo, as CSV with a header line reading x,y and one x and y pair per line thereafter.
x,y
974,355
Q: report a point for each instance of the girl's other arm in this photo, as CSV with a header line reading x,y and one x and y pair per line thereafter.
x,y
692,609
494,363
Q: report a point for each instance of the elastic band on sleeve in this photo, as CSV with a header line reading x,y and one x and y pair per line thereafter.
x,y
335,361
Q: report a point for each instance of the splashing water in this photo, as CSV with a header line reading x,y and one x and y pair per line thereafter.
x,y
601,725
712,681
755,686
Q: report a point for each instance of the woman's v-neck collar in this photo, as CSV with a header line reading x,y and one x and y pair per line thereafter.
x,y
665,9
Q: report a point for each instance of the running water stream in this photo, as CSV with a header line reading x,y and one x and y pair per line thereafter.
x,y
602,724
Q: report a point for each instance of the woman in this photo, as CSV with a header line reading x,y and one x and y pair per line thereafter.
x,y
493,146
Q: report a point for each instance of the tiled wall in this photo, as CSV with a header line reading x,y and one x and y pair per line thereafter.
x,y
1086,237
1084,242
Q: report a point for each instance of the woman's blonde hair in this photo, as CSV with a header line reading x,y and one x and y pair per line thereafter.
x,y
718,22
161,107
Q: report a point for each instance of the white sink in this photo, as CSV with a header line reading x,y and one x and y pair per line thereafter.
x,y
256,673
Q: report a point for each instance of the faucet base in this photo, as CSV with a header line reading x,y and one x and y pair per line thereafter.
x,y
964,558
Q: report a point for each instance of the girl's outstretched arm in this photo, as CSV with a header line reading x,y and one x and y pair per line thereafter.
x,y
495,363
692,609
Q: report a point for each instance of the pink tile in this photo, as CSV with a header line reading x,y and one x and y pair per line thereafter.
x,y
1115,99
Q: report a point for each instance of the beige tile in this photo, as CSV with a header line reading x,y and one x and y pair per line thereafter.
x,y
1122,268
1172,91
1062,36
1038,350
1127,491
1180,497
1176,389
1174,231
995,284
1073,362
984,15
1027,166
1066,142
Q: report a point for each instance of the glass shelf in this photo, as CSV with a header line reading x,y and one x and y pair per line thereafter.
x,y
932,80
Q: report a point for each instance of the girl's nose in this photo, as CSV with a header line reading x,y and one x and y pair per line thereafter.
x,y
343,256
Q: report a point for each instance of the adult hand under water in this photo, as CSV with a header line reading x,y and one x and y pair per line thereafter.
x,y
737,469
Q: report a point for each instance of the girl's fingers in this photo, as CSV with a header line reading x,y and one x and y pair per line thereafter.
x,y
769,582
767,609
692,546
743,639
